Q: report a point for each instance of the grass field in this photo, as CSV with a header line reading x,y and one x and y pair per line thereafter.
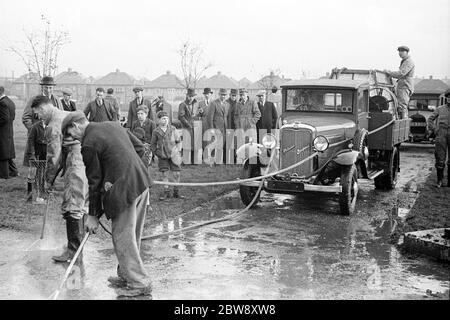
x,y
17,214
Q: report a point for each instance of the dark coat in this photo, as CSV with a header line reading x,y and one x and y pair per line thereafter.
x,y
230,117
132,111
217,116
113,155
149,126
269,116
186,115
114,104
163,143
91,110
7,115
68,107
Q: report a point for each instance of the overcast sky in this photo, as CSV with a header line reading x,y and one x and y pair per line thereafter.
x,y
242,38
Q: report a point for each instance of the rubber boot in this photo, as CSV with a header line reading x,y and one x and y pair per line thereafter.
x,y
165,195
75,231
176,193
440,177
29,191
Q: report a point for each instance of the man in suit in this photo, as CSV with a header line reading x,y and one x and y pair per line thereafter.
x,y
246,116
118,187
99,110
216,119
269,115
67,104
232,101
8,168
113,103
203,106
186,111
29,118
134,104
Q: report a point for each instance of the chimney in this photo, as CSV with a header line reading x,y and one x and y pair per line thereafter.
x,y
69,70
219,73
168,72
117,70
272,73
431,77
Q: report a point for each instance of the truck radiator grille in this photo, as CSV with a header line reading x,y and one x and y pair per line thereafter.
x,y
296,146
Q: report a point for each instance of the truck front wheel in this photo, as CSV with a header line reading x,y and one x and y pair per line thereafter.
x,y
248,193
349,183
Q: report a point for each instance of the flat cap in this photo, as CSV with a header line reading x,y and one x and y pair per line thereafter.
x,y
243,90
67,91
142,107
136,89
223,91
70,119
403,48
162,114
261,93
233,91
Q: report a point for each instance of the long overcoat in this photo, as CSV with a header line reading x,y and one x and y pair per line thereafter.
x,y
7,115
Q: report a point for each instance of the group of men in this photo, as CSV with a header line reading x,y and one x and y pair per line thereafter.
x,y
222,116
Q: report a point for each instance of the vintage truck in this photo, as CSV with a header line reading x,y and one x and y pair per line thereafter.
x,y
345,126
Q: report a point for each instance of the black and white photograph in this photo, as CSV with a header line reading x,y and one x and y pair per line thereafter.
x,y
236,153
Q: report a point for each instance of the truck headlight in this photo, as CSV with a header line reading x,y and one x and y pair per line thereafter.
x,y
321,143
269,141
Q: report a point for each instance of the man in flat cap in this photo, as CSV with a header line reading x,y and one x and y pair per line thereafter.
x,y
246,115
405,83
99,110
135,103
441,128
29,118
113,103
118,187
186,112
216,119
65,154
67,104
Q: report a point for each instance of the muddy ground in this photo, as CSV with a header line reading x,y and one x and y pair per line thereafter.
x,y
288,247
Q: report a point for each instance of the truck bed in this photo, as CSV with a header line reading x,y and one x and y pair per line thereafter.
x,y
390,136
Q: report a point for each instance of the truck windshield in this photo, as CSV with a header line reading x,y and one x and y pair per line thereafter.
x,y
319,100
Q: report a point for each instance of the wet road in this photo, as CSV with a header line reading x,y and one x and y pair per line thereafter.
x,y
287,248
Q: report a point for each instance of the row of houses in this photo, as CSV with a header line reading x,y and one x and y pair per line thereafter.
x,y
168,85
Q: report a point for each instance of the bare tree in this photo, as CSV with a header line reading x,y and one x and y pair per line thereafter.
x,y
192,64
268,82
40,50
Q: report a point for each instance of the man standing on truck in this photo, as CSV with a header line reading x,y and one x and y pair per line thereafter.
x,y
405,83
442,131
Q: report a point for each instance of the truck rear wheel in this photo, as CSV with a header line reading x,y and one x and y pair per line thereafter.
x,y
388,180
349,183
248,193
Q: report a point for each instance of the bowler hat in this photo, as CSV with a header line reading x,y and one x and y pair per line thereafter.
x,y
403,48
191,92
67,91
207,90
47,81
70,119
233,91
162,114
136,89
222,91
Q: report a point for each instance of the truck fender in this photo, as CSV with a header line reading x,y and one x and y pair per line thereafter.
x,y
346,158
248,151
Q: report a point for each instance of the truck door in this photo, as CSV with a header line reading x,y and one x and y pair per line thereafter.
x,y
363,109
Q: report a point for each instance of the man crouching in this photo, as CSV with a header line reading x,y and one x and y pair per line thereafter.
x,y
118,186
75,183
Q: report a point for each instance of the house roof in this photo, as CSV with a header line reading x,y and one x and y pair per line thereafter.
x,y
268,81
167,80
430,86
244,83
69,77
116,78
343,83
31,77
218,81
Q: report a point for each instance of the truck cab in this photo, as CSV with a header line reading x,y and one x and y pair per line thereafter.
x,y
331,133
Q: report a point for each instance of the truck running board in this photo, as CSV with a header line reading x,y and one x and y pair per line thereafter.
x,y
373,174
